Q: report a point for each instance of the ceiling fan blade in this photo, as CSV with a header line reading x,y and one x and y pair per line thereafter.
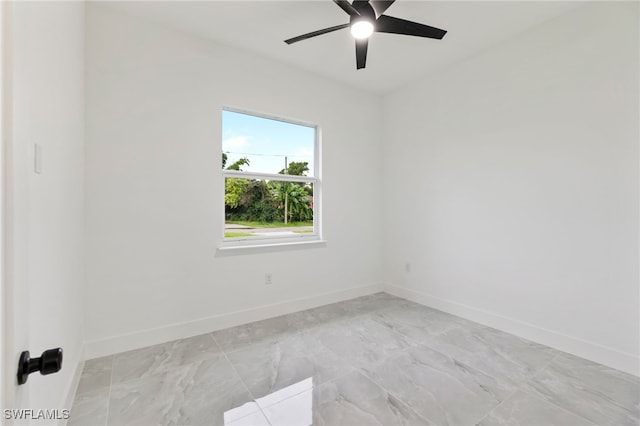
x,y
315,33
389,24
346,6
361,52
380,6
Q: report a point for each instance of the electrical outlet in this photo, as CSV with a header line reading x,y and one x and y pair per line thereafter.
x,y
37,159
268,279
407,267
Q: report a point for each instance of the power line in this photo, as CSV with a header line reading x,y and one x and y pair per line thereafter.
x,y
267,155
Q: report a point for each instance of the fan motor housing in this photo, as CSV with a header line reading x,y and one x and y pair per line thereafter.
x,y
366,17
366,13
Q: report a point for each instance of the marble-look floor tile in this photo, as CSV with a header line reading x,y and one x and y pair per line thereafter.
x,y
242,336
150,400
356,400
240,412
296,410
508,358
361,341
621,387
318,317
270,367
96,374
373,302
192,349
529,355
377,359
207,392
90,408
350,400
523,409
255,419
346,310
287,392
418,323
437,387
600,394
164,357
402,315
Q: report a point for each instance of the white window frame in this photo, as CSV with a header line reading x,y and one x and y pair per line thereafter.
x,y
279,240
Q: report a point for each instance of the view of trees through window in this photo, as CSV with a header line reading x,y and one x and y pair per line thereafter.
x,y
269,173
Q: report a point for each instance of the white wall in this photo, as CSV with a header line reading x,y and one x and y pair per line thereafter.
x,y
154,185
47,232
512,185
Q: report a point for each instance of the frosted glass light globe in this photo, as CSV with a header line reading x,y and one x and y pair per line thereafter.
x,y
361,29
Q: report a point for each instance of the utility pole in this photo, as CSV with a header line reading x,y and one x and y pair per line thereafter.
x,y
286,191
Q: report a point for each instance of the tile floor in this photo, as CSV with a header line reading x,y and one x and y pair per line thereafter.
x,y
375,360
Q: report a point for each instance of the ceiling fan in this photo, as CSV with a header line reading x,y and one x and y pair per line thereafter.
x,y
366,16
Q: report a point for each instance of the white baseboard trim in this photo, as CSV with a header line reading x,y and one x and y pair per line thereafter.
x,y
589,350
125,342
75,381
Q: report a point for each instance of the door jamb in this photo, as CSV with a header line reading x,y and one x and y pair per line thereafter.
x,y
7,382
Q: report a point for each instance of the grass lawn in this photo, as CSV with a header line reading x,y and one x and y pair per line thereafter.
x,y
306,231
269,224
237,234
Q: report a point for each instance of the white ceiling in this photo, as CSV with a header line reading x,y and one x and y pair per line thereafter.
x,y
393,60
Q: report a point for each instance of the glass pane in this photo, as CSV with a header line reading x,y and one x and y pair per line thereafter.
x,y
260,209
262,145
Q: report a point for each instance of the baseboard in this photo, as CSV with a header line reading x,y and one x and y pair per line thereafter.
x,y
116,344
71,393
573,345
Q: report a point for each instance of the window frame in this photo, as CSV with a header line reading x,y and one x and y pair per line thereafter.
x,y
266,241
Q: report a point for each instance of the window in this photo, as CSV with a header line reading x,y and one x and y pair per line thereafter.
x,y
271,180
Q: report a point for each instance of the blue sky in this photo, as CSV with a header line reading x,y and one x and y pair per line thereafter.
x,y
265,142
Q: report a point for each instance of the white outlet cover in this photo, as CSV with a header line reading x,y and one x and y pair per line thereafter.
x,y
37,159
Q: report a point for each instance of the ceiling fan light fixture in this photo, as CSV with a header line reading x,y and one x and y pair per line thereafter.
x,y
367,16
361,29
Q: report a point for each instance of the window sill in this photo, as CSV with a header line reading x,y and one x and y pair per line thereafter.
x,y
230,250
